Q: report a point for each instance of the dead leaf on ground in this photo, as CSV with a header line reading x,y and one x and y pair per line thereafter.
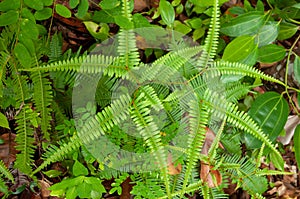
x,y
140,5
7,150
207,174
172,169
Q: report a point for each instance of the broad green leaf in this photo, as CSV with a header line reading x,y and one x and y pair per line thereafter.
x,y
290,13
277,160
239,48
251,59
63,11
109,4
29,29
99,32
27,13
123,22
79,169
140,21
245,24
180,27
167,12
7,5
297,68
82,8
47,2
34,4
44,14
198,33
102,17
271,53
296,141
267,34
286,30
194,23
3,121
296,5
260,6
9,17
84,190
71,193
52,173
23,55
73,3
270,110
28,43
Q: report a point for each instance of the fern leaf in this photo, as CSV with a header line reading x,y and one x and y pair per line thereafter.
x,y
198,124
240,119
91,64
4,172
42,98
4,59
55,48
54,153
151,134
25,139
211,41
234,68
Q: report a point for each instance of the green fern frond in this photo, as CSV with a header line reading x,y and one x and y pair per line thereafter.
x,y
55,52
43,99
127,48
25,139
211,41
106,119
240,119
234,68
4,59
54,153
237,90
151,134
91,64
198,119
4,172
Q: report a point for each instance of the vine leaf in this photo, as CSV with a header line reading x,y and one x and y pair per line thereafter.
x,y
3,121
240,48
270,111
297,144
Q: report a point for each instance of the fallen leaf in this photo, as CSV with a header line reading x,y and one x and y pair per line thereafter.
x,y
7,150
44,188
173,170
207,174
140,5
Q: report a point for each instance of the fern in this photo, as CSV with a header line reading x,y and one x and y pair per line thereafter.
x,y
198,121
43,99
4,172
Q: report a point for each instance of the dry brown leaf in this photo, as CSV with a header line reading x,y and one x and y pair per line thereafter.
x,y
172,169
140,5
44,188
212,177
7,150
207,174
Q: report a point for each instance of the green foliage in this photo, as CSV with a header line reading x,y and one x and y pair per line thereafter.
x,y
296,144
196,91
271,111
